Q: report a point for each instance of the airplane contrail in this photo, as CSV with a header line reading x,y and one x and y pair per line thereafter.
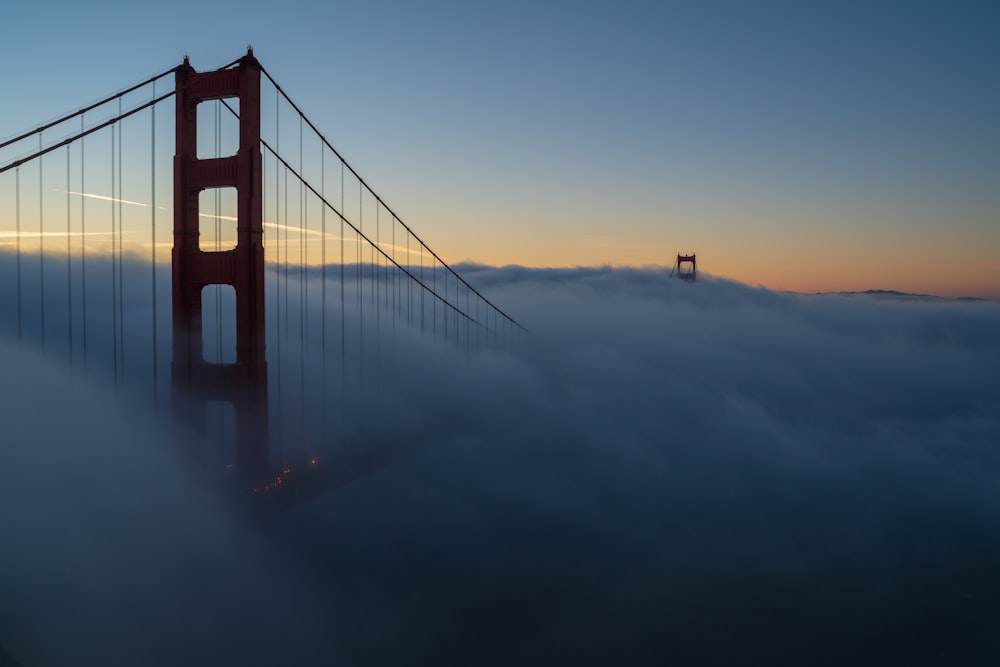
x,y
90,195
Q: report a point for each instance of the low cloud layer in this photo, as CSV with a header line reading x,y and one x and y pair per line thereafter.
x,y
660,473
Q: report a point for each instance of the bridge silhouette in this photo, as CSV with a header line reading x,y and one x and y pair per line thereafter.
x,y
294,289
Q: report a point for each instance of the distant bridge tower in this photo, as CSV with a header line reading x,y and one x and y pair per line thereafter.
x,y
195,381
691,274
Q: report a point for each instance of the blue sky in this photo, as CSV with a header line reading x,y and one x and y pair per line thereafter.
x,y
798,145
739,471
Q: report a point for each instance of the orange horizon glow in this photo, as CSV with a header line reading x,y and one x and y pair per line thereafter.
x,y
979,281
777,254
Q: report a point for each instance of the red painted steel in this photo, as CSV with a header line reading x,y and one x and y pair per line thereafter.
x,y
196,381
687,259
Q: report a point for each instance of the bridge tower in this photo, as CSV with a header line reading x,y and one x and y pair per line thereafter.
x,y
195,381
686,260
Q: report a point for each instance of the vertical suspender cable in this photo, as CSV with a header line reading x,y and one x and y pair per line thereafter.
x,y
69,263
114,268
121,253
287,224
395,280
277,249
278,276
285,195
218,243
434,304
409,284
17,223
264,203
395,297
357,246
83,243
41,241
383,276
343,325
287,299
322,188
361,306
376,280
152,237
376,263
302,294
422,289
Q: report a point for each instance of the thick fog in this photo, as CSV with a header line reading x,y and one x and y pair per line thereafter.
x,y
659,473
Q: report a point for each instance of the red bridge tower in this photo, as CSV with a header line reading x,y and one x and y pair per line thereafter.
x,y
195,381
690,261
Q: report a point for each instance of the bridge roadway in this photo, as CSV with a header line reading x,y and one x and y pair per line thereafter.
x,y
279,488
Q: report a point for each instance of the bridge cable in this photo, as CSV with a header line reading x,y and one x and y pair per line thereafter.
x,y
41,242
377,294
17,223
434,312
343,321
359,272
121,248
393,274
60,121
83,242
152,239
409,285
286,226
114,275
117,243
69,262
322,178
421,293
377,198
277,254
303,223
404,269
83,133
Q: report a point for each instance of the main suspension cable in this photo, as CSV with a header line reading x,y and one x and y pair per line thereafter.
x,y
379,199
83,133
111,98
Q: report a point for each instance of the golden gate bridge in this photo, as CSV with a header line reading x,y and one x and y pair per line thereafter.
x,y
295,291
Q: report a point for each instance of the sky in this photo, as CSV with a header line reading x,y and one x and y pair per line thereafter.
x,y
805,147
663,472
710,473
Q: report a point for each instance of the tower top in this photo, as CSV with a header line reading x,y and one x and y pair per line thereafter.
x,y
691,260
